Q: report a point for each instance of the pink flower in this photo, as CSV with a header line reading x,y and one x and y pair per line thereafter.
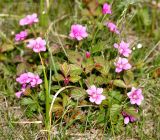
x,y
123,48
112,27
135,96
95,94
19,93
37,45
34,79
78,32
29,20
23,78
27,80
106,9
128,118
122,64
21,36
88,54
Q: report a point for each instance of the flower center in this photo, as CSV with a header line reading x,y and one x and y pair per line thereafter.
x,y
135,96
76,33
94,95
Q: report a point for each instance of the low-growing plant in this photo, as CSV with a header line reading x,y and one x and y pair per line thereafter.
x,y
89,79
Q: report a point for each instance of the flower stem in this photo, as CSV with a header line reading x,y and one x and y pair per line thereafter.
x,y
47,122
97,30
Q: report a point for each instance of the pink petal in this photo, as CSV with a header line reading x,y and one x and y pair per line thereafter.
x,y
92,99
98,101
89,91
132,101
79,38
103,97
138,102
118,70
116,45
18,94
126,120
99,90
39,81
127,66
93,88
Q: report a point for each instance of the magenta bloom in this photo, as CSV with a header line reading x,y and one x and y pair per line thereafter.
x,y
112,27
95,94
21,36
128,118
78,32
29,20
122,64
88,54
37,45
34,79
27,80
23,79
123,48
135,96
106,9
20,93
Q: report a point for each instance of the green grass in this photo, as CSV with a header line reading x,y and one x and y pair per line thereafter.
x,y
141,25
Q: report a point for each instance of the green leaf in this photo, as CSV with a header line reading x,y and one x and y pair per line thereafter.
x,y
41,96
57,77
78,93
101,117
57,107
102,65
99,60
27,101
115,109
105,69
65,68
90,80
75,57
75,69
99,80
74,78
128,77
3,57
98,47
132,112
22,67
119,83
55,88
65,100
39,69
116,96
88,65
6,47
114,112
144,13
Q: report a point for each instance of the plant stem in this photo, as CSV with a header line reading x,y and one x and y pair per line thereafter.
x,y
54,98
97,30
47,122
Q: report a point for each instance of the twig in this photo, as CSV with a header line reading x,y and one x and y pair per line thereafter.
x,y
151,51
8,15
27,122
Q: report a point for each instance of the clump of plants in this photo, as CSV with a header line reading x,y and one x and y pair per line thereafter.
x,y
94,73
